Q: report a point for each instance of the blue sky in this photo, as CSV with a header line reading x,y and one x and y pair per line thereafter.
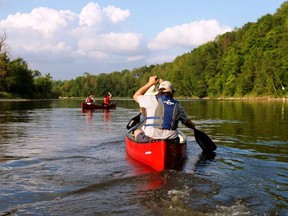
x,y
67,38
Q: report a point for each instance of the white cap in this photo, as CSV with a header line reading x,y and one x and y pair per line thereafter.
x,y
166,86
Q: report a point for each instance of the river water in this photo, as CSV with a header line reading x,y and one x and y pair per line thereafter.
x,y
56,160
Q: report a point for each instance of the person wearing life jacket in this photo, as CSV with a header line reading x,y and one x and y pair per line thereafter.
x,y
106,100
163,112
89,100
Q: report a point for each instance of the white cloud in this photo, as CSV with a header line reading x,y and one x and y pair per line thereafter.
x,y
116,14
44,20
47,30
98,55
121,42
96,39
90,15
109,44
187,35
135,58
62,47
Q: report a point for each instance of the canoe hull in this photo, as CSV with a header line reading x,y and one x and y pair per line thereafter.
x,y
86,106
158,154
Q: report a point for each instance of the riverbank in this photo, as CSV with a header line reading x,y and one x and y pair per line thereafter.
x,y
234,98
7,96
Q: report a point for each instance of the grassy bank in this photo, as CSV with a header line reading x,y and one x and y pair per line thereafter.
x,y
6,95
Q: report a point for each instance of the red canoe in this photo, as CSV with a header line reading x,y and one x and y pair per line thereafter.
x,y
158,154
86,106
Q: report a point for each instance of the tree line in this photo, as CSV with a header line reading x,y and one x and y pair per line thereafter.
x,y
17,80
249,61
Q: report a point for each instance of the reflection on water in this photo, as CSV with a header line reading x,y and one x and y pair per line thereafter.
x,y
56,160
107,116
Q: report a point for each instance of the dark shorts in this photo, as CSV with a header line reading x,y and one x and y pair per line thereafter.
x,y
141,137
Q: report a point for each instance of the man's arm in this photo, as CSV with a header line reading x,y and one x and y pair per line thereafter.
x,y
189,124
184,119
152,81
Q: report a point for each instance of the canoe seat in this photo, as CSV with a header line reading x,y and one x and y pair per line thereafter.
x,y
131,136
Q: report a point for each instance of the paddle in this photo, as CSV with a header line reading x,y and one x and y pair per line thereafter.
x,y
134,121
206,144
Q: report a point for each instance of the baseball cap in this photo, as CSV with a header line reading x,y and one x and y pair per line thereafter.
x,y
166,86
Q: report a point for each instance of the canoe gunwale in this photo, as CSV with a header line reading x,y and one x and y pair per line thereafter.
x,y
85,106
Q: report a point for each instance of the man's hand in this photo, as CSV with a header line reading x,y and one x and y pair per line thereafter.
x,y
153,80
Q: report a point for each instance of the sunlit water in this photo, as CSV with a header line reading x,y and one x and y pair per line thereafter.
x,y
56,160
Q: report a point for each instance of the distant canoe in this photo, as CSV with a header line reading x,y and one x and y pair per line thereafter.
x,y
86,106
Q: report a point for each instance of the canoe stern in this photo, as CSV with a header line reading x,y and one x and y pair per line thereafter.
x,y
158,154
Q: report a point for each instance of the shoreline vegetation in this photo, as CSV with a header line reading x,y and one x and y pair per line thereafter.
x,y
10,97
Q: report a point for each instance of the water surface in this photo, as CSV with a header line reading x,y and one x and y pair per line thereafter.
x,y
56,160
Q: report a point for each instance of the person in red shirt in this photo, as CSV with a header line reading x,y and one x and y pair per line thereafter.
x,y
89,100
107,98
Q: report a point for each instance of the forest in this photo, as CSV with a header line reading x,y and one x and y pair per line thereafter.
x,y
18,81
251,61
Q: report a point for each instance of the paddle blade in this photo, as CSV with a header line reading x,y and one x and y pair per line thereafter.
x,y
206,144
134,121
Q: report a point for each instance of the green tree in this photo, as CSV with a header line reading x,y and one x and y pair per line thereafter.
x,y
20,79
43,86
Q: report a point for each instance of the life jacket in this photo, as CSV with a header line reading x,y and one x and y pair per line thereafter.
x,y
166,114
89,99
107,100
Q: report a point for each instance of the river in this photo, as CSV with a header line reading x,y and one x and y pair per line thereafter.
x,y
57,160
